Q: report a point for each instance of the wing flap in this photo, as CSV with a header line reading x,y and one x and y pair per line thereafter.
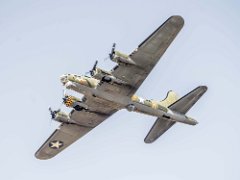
x,y
60,139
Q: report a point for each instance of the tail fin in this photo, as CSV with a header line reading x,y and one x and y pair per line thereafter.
x,y
182,106
170,99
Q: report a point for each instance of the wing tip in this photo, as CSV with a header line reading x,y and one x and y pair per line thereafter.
x,y
42,156
148,141
177,19
204,88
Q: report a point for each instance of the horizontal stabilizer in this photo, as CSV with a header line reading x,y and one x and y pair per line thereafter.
x,y
186,102
162,124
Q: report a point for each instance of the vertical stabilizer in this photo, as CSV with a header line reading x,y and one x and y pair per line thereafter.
x,y
181,106
171,98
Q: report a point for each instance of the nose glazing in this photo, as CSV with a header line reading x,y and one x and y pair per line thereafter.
x,y
63,78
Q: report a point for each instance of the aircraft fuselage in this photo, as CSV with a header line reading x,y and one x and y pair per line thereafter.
x,y
87,86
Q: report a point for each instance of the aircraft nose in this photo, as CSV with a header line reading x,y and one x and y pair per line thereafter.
x,y
63,78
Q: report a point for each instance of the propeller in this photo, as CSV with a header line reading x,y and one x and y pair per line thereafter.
x,y
64,98
111,55
53,113
92,71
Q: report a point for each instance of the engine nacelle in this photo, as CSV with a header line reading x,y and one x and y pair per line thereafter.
x,y
61,117
119,58
77,104
106,76
100,73
67,79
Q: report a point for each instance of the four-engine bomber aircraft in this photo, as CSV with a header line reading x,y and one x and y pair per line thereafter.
x,y
106,92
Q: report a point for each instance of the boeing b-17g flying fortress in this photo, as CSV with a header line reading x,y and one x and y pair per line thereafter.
x,y
106,92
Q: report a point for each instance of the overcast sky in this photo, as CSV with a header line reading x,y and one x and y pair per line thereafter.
x,y
40,40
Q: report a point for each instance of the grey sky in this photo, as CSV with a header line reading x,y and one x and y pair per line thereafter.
x,y
40,40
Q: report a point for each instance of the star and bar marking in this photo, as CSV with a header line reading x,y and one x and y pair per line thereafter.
x,y
56,144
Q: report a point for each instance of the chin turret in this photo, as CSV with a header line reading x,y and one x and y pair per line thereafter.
x,y
74,102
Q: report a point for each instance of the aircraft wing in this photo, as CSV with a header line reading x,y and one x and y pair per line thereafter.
x,y
67,134
60,139
146,56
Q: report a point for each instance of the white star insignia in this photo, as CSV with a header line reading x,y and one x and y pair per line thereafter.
x,y
56,144
141,100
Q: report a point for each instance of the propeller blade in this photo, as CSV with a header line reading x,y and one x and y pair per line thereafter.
x,y
111,55
92,71
95,65
113,47
51,112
